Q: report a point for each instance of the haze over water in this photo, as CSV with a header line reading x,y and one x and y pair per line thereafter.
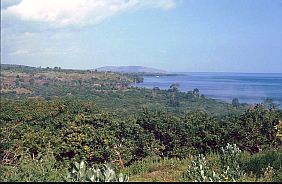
x,y
247,87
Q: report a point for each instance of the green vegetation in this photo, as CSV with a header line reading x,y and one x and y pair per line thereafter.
x,y
212,166
52,119
80,172
111,91
229,171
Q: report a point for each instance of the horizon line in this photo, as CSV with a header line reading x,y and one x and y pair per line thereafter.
x,y
147,67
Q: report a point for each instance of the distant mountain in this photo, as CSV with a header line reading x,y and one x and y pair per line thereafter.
x,y
130,69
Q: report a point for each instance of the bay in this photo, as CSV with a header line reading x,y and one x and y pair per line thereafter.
x,y
247,87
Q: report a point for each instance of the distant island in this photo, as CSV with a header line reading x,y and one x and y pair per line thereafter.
x,y
131,69
136,70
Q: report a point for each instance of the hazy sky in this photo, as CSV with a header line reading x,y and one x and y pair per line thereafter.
x,y
174,35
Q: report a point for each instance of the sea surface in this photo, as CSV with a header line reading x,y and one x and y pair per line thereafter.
x,y
249,88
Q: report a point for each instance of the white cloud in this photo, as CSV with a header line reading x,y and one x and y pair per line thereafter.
x,y
62,13
37,44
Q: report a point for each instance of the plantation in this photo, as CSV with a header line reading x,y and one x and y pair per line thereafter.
x,y
102,129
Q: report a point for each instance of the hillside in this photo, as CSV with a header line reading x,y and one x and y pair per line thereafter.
x,y
52,118
109,90
130,69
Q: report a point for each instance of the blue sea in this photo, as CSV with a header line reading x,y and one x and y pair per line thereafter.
x,y
247,87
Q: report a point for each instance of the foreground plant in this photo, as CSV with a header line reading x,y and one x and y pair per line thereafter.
x,y
229,157
230,169
198,171
105,173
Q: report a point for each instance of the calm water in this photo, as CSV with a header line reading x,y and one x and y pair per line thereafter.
x,y
248,88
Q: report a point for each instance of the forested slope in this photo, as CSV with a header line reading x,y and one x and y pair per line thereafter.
x,y
64,121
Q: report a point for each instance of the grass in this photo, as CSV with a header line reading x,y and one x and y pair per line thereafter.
x,y
156,169
263,167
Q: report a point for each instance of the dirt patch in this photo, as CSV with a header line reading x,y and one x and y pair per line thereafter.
x,y
163,175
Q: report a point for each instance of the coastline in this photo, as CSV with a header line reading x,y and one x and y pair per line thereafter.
x,y
250,88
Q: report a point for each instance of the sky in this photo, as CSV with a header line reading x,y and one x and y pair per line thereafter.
x,y
172,35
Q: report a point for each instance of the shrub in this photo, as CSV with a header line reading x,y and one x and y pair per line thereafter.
x,y
105,173
230,157
258,162
230,170
40,169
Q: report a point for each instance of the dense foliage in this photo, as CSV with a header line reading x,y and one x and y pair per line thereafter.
x,y
44,131
111,91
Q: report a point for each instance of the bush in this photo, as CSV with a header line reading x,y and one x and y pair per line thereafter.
x,y
258,162
105,173
230,170
40,169
229,157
